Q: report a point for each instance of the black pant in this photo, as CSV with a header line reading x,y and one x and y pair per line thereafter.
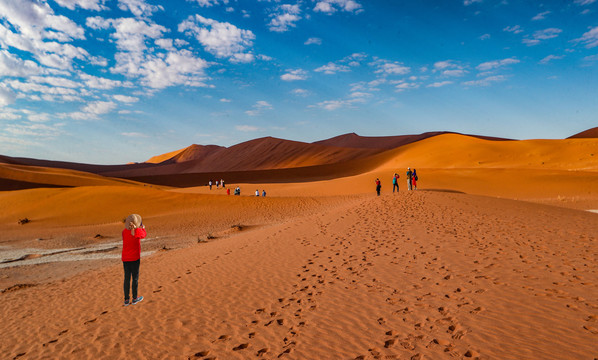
x,y
131,269
395,186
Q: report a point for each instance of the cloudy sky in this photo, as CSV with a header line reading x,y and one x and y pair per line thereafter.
x,y
113,81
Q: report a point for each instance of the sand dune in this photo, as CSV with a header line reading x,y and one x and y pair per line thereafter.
x,y
13,177
353,140
590,133
319,269
428,275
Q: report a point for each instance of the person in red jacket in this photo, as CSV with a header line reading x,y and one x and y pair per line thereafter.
x,y
131,255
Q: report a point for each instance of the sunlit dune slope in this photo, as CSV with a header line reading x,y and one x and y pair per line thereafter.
x,y
458,151
193,152
14,177
71,215
353,140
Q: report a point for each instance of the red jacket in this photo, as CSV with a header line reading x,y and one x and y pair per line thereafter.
x,y
132,244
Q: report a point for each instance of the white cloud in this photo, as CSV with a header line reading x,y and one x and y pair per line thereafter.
x,y
402,85
454,72
7,96
32,26
246,128
300,92
541,16
130,34
332,68
126,99
11,65
138,7
469,2
95,82
225,100
293,75
513,29
439,84
48,92
56,81
491,65
208,3
390,68
485,37
38,117
38,130
590,38
332,105
99,107
134,135
584,2
486,81
540,35
331,6
284,18
258,108
222,39
549,58
96,5
313,41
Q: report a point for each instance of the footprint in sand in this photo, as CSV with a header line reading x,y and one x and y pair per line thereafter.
x,y
222,338
50,342
241,347
89,321
202,353
262,352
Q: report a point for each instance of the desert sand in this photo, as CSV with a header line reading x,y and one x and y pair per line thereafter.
x,y
493,257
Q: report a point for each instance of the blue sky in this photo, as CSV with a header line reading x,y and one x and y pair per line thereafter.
x,y
114,81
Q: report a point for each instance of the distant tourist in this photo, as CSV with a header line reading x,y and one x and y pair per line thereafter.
x,y
409,176
414,179
264,193
257,192
217,184
237,191
210,184
378,186
227,191
222,182
395,182
131,255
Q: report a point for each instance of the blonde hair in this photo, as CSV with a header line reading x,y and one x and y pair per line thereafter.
x,y
132,222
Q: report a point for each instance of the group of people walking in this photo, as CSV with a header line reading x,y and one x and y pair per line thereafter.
x,y
411,181
218,184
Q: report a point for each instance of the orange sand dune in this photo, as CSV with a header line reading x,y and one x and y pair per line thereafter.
x,y
23,176
353,140
420,275
458,151
590,133
193,152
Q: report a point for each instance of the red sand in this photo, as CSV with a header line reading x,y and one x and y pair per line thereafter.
x,y
317,270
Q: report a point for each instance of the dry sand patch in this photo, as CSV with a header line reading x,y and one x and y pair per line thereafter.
x,y
425,274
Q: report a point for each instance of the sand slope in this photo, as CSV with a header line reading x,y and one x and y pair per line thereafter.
x,y
423,275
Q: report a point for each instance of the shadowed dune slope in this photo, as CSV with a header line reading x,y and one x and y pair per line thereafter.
x,y
590,133
260,154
